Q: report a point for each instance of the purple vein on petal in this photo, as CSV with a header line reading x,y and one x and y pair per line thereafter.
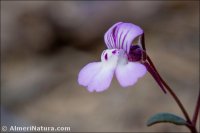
x,y
108,40
120,39
113,35
116,35
112,41
124,39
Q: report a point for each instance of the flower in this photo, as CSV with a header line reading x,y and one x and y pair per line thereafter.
x,y
122,58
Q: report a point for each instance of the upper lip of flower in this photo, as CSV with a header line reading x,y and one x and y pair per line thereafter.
x,y
121,36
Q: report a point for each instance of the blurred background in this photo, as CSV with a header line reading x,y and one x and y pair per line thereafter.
x,y
44,44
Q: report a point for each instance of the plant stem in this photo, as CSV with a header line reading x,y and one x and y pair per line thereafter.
x,y
190,124
170,91
143,42
194,120
154,75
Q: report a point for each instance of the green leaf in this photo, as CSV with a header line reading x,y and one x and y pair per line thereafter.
x,y
166,117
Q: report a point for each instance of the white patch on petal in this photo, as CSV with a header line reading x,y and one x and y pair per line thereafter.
x,y
88,72
102,80
97,76
128,74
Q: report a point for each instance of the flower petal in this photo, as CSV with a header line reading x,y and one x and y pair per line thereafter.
x,y
88,72
109,36
102,79
128,74
121,35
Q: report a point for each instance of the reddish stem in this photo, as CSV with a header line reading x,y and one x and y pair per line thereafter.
x,y
190,125
154,75
194,120
143,42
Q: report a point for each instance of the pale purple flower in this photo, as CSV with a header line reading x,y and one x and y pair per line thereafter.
x,y
122,59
